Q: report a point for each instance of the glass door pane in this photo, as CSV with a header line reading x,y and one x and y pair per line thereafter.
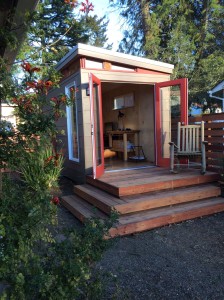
x,y
171,107
97,126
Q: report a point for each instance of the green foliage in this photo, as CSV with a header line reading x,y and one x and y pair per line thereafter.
x,y
34,263
7,86
41,168
37,265
56,27
188,34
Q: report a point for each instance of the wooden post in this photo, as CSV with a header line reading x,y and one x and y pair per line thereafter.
x,y
125,146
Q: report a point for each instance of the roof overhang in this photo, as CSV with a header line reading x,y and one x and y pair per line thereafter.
x,y
82,50
218,91
12,13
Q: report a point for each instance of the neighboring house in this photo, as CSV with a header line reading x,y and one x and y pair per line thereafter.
x,y
12,15
218,93
7,114
107,86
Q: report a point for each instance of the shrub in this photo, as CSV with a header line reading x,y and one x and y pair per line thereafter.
x,y
34,264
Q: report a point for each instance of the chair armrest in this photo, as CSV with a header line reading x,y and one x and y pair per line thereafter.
x,y
172,144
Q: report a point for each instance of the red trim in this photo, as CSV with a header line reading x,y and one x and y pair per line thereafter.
x,y
98,170
92,69
83,63
183,83
144,71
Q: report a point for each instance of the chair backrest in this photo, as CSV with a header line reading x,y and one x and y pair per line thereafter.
x,y
190,138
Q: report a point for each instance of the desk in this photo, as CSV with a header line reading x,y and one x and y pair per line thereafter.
x,y
125,134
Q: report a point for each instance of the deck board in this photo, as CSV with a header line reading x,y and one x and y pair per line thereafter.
x,y
148,180
148,201
147,198
165,216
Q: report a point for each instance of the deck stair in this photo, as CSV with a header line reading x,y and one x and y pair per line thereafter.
x,y
147,199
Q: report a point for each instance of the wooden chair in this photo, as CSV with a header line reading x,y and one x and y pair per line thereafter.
x,y
190,143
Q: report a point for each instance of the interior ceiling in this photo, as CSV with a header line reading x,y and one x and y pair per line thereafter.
x,y
109,86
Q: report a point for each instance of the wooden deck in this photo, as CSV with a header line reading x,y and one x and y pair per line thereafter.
x,y
147,198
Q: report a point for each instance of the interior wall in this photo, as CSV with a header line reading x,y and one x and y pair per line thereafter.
x,y
139,117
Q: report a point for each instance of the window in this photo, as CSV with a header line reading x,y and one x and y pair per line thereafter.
x,y
72,123
124,101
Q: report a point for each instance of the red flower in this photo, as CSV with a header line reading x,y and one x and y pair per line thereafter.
x,y
31,85
27,67
63,99
40,86
46,162
35,69
48,83
55,200
87,7
15,100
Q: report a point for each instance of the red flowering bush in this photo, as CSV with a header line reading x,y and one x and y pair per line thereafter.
x,y
33,264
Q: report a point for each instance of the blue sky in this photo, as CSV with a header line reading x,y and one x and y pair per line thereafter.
x,y
114,31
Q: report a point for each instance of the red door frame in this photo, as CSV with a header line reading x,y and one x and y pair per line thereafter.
x,y
98,170
183,83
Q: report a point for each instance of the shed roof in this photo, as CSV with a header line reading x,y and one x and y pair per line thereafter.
x,y
82,50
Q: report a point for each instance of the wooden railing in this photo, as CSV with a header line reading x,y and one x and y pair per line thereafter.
x,y
214,135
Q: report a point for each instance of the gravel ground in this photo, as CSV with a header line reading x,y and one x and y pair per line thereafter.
x,y
180,261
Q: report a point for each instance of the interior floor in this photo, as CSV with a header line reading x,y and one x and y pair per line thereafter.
x,y
116,164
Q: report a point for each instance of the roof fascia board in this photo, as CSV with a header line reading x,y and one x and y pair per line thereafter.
x,y
127,59
217,88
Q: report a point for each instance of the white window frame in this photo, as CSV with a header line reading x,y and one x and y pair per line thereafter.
x,y
69,111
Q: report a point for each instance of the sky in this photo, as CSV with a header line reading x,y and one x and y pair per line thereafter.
x,y
114,33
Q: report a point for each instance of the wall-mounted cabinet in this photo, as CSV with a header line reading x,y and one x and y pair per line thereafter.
x,y
124,101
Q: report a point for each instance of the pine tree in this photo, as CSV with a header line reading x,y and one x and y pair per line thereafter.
x,y
186,33
57,26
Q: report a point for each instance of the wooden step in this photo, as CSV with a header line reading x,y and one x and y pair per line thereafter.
x,y
154,200
97,197
151,219
158,180
146,201
80,208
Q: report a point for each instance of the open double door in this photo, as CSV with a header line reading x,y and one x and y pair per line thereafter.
x,y
162,119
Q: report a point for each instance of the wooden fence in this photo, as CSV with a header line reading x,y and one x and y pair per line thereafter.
x,y
214,135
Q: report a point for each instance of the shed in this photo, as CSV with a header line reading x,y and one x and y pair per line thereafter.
x,y
122,103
